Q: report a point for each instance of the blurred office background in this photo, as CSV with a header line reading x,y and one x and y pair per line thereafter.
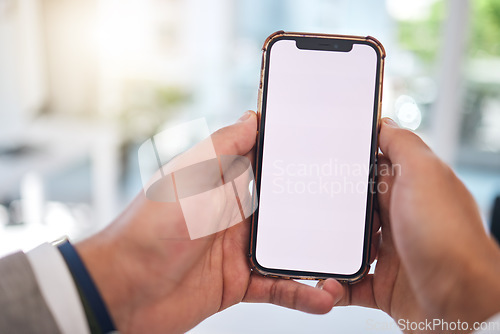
x,y
84,82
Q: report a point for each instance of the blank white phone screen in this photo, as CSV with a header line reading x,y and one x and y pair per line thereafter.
x,y
316,158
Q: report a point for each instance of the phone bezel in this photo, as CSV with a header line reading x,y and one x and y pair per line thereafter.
x,y
328,39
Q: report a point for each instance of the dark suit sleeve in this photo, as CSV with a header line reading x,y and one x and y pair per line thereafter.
x,y
23,309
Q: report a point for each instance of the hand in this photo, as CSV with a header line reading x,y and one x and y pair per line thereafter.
x,y
435,260
154,279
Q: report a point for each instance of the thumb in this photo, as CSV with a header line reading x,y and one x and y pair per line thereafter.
x,y
399,145
238,138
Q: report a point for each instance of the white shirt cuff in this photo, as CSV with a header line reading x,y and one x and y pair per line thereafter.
x,y
58,288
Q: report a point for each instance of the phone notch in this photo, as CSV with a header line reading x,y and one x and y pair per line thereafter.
x,y
324,44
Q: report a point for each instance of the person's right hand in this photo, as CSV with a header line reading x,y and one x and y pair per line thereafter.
x,y
434,259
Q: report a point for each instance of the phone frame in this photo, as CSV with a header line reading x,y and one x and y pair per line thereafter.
x,y
343,41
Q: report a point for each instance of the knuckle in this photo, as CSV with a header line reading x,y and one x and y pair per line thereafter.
x,y
274,293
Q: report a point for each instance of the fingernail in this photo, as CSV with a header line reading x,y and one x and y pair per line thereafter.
x,y
320,284
245,116
391,123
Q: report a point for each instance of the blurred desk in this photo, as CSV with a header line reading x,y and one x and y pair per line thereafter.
x,y
51,145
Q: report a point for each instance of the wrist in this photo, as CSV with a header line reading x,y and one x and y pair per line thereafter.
x,y
99,257
475,296
96,311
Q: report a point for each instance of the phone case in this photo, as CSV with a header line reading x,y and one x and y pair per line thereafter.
x,y
373,159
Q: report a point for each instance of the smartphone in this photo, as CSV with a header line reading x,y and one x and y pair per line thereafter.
x,y
319,110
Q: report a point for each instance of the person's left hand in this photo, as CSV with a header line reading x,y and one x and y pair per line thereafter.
x,y
154,279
